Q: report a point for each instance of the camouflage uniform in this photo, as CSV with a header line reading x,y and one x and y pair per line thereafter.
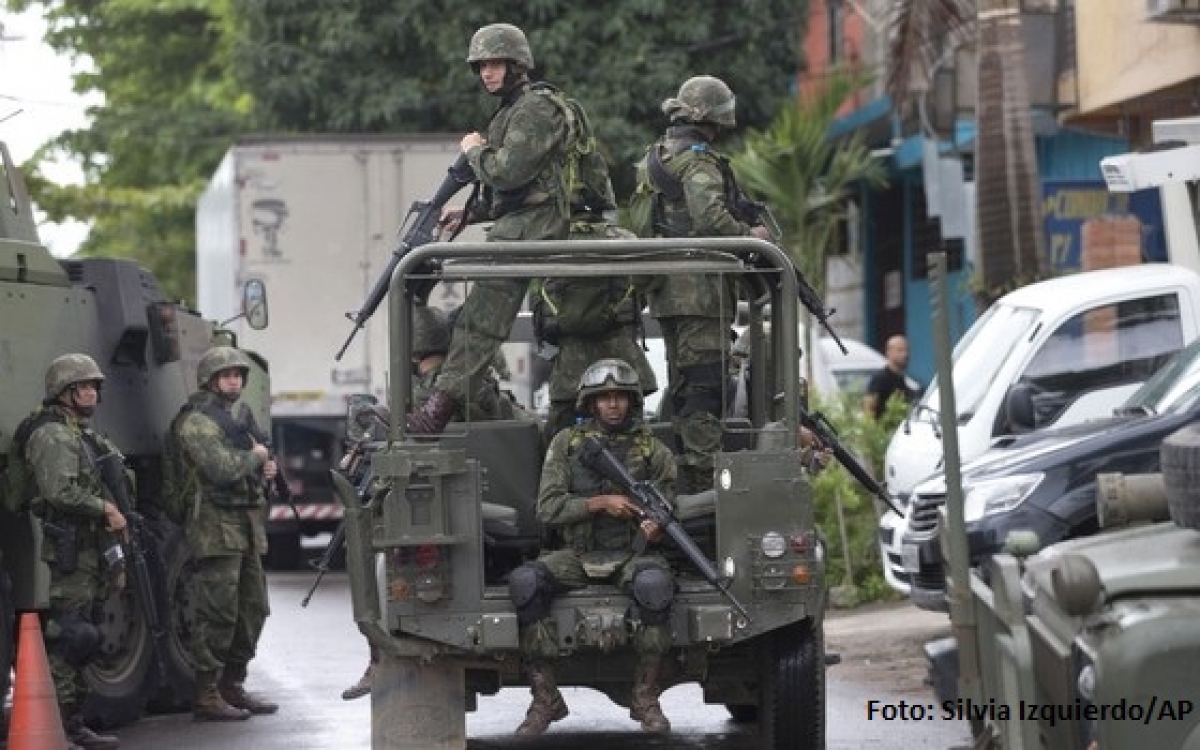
x,y
60,456
696,312
227,534
595,548
521,168
608,330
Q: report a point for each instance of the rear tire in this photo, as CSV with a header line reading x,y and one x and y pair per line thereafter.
x,y
792,704
173,556
119,676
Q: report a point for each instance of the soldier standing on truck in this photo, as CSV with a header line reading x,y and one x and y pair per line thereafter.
x,y
521,164
56,448
695,195
595,530
224,469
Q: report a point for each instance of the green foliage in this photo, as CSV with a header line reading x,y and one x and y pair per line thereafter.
x,y
382,66
853,560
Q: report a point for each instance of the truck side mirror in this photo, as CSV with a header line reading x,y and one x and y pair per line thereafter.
x,y
254,303
1019,409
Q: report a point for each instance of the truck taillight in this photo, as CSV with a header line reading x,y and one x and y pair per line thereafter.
x,y
428,556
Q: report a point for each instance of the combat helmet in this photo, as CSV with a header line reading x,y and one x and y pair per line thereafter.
x,y
221,358
500,41
431,331
703,99
606,375
69,369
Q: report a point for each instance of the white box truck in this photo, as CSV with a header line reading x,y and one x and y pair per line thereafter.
x,y
316,219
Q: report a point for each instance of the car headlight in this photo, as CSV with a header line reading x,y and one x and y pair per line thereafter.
x,y
990,496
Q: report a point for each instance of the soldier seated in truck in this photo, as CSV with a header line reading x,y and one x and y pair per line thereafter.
x,y
598,536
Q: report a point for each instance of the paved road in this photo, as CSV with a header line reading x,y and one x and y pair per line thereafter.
x,y
308,656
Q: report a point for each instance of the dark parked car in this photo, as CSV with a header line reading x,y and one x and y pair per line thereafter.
x,y
1045,482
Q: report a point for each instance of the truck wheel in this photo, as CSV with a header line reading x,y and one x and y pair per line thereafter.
x,y
284,551
742,713
117,678
1180,454
792,705
173,556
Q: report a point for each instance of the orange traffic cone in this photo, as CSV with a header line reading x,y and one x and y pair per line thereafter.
x,y
35,723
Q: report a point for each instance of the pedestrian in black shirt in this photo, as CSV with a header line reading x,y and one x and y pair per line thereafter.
x,y
889,380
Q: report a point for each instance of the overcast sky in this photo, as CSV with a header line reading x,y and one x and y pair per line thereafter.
x,y
37,103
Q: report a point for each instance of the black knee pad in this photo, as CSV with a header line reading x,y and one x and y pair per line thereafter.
x,y
653,591
77,640
531,589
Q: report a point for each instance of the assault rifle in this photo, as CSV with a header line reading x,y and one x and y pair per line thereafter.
x,y
653,506
111,468
808,296
426,215
819,425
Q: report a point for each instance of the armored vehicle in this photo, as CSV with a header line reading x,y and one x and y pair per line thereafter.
x,y
429,583
148,348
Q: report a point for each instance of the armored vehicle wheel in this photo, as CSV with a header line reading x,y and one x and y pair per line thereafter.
x,y
8,626
792,704
1180,454
118,677
175,605
742,713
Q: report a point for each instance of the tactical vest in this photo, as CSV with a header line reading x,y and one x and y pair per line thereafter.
x,y
184,486
602,531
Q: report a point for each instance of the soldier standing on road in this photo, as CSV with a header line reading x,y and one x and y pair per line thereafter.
x,y
225,468
521,164
57,449
697,195
596,528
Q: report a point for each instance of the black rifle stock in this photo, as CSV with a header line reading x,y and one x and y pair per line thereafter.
x,y
653,506
421,231
111,467
819,425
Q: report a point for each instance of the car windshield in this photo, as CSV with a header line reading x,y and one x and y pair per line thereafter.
x,y
980,354
1176,386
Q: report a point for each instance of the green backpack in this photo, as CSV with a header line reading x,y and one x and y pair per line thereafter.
x,y
18,486
585,176
180,486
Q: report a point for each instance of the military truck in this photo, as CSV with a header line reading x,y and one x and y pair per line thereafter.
x,y
429,586
148,348
1088,643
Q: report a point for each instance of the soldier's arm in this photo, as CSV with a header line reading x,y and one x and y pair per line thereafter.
x,y
535,135
206,448
556,506
704,191
55,453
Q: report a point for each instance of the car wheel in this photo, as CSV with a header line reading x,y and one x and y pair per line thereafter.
x,y
176,607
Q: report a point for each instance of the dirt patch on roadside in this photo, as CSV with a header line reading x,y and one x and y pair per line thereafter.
x,y
881,644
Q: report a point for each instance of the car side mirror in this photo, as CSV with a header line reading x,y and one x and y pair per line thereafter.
x,y
1019,409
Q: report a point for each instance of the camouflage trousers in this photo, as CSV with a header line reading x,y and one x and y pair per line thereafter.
x,y
539,641
698,354
230,592
481,327
72,640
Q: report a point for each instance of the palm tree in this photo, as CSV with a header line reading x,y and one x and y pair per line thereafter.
x,y
1008,219
794,167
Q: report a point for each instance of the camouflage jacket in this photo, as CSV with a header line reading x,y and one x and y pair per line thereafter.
x,y
487,403
566,485
68,482
521,167
228,517
703,211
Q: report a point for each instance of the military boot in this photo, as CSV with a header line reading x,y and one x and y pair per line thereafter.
x,y
233,677
548,705
431,417
644,706
81,735
362,687
208,705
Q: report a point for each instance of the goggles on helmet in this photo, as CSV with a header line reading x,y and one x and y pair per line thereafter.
x,y
620,373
